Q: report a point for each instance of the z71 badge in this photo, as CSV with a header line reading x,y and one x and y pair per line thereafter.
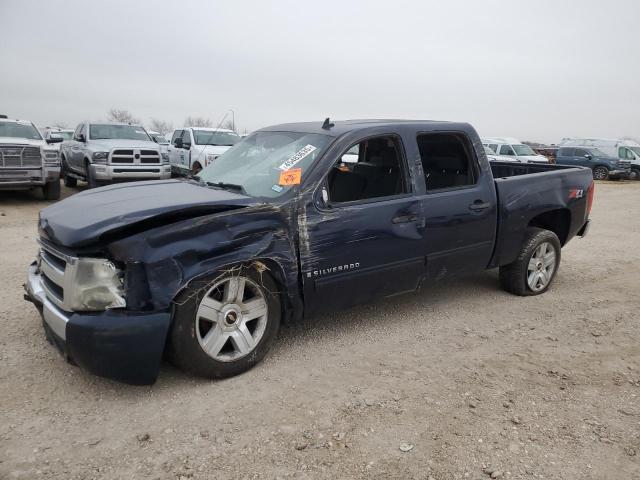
x,y
576,193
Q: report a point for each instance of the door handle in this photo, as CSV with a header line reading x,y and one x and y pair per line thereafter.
x,y
405,219
479,205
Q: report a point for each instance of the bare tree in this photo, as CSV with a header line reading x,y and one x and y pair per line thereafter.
x,y
198,122
229,125
161,126
121,116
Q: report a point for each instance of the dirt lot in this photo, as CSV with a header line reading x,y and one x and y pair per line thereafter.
x,y
455,382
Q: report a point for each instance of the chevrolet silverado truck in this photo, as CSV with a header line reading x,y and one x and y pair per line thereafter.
x,y
286,225
26,159
102,153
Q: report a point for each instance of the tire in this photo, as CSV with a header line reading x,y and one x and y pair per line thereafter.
x,y
51,190
196,169
530,274
211,336
600,173
91,180
68,181
635,174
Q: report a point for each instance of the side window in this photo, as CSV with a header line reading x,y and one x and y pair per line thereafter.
x,y
186,137
506,150
372,168
565,152
580,152
494,147
625,153
447,160
176,134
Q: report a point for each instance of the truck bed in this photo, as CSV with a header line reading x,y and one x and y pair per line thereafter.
x,y
537,195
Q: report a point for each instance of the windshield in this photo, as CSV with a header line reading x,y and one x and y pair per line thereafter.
x,y
208,137
523,150
120,132
636,150
266,164
19,130
159,138
598,153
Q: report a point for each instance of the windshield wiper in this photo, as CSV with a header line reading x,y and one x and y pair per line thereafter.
x,y
226,186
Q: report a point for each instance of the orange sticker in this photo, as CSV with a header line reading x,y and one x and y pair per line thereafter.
x,y
290,177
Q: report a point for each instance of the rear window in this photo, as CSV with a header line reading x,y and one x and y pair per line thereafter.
x,y
566,152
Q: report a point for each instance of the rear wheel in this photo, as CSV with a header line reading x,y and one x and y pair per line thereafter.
x,y
635,173
535,268
64,171
600,173
227,326
51,190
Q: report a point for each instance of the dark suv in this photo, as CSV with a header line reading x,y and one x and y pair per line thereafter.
x,y
603,166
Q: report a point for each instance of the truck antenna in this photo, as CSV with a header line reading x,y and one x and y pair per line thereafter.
x,y
327,124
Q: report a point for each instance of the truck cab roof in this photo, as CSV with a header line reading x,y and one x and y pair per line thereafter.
x,y
340,127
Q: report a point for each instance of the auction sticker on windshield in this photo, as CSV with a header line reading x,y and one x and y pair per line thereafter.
x,y
290,177
299,155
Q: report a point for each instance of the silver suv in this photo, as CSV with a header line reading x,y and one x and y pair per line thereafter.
x,y
100,153
26,160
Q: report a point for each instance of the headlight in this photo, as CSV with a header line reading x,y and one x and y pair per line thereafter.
x,y
165,157
50,156
100,157
97,285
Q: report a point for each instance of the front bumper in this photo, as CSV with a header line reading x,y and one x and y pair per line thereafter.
x,y
620,173
119,344
125,172
24,178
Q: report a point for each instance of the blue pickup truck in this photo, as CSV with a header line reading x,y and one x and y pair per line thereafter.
x,y
294,220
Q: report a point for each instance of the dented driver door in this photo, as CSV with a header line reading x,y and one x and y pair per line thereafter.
x,y
357,251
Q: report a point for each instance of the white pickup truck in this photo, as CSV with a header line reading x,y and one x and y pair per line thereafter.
x,y
27,160
105,152
193,148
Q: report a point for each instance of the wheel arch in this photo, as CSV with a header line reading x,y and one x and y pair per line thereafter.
x,y
264,266
558,221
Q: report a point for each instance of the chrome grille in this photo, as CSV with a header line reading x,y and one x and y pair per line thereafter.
x,y
57,271
121,156
19,156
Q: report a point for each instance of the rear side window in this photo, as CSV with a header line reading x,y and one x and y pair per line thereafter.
x,y
447,160
580,152
506,150
565,152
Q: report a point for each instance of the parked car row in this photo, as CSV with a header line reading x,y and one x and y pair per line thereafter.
x,y
615,159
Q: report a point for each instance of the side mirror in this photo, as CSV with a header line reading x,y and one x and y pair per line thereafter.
x,y
154,139
186,146
323,198
53,139
81,138
587,156
177,142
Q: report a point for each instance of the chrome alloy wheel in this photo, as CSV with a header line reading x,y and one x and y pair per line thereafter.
x,y
231,318
541,266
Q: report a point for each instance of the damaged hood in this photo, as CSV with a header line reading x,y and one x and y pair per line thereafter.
x,y
84,218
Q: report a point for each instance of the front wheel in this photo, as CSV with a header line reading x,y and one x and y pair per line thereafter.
x,y
51,190
535,268
227,325
600,173
92,182
635,174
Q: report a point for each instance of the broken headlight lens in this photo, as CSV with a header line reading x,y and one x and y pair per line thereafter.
x,y
97,285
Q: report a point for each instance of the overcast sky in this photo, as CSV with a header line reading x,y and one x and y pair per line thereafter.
x,y
535,69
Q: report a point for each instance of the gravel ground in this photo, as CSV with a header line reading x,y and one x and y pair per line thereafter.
x,y
460,380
